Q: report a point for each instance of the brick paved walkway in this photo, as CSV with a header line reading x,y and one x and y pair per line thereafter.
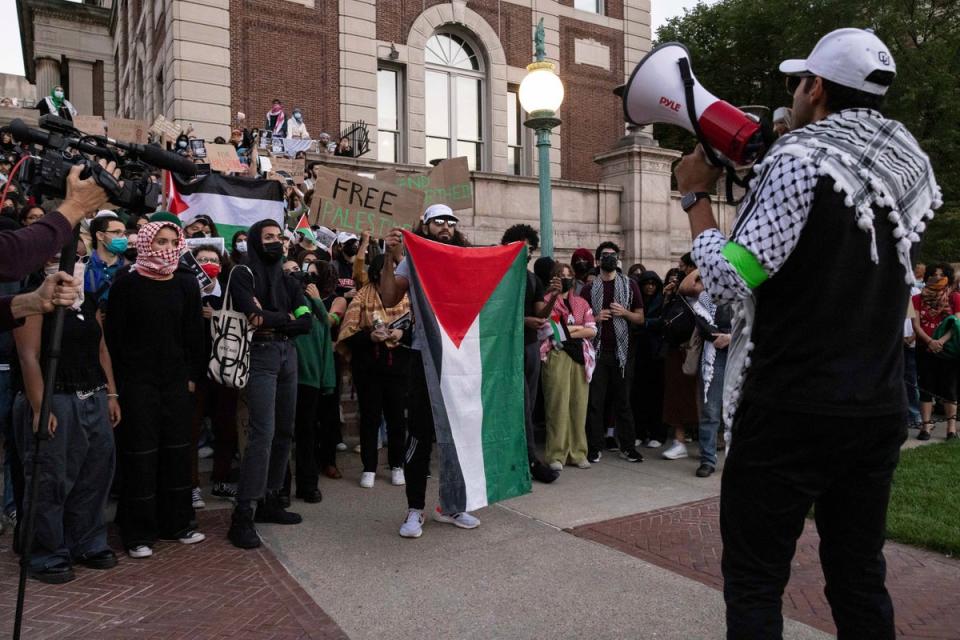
x,y
209,590
686,539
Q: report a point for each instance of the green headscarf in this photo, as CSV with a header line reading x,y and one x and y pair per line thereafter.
x,y
57,102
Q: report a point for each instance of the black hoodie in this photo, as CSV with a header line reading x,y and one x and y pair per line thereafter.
x,y
650,333
279,295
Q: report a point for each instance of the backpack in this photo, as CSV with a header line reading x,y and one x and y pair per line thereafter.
x,y
232,334
679,321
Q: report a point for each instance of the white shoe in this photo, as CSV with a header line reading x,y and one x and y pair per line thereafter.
x,y
341,446
197,497
676,451
396,477
556,466
583,464
140,551
463,519
653,444
367,478
412,527
356,449
192,537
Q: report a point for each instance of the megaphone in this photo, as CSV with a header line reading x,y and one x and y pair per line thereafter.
x,y
663,89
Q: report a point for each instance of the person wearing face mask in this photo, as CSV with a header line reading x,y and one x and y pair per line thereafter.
x,y
582,263
108,236
202,226
131,253
77,463
617,303
297,129
277,120
277,309
345,252
182,145
568,360
155,334
57,104
239,243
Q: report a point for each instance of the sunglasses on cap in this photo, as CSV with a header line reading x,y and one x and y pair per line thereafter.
x,y
793,82
449,222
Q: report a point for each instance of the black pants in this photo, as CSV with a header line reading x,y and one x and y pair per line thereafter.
x,y
607,380
155,448
779,466
647,399
420,436
328,425
386,396
307,435
531,385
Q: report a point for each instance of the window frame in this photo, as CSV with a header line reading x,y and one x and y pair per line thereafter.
x,y
401,143
600,4
452,75
524,135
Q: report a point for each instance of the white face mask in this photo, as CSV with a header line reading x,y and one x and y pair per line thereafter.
x,y
241,246
58,94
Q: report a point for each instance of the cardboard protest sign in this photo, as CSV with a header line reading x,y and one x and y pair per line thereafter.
x,y
224,158
91,125
162,127
447,183
126,130
348,202
294,168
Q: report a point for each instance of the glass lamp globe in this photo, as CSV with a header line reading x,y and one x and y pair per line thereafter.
x,y
541,91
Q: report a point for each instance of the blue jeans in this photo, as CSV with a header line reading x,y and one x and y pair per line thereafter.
x,y
711,418
7,504
910,380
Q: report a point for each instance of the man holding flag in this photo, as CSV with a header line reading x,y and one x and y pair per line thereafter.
x,y
467,373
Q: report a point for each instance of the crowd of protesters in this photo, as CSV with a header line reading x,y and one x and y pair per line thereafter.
x,y
617,359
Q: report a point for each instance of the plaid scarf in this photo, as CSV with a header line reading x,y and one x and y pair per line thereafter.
x,y
874,162
359,315
152,263
277,112
624,297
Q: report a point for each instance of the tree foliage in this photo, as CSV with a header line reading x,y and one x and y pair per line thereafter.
x,y
736,47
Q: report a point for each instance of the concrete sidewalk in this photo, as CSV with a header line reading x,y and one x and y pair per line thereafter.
x,y
517,576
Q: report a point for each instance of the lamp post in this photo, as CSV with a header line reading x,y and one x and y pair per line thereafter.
x,y
541,94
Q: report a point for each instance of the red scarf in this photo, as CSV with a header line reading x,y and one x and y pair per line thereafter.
x,y
153,264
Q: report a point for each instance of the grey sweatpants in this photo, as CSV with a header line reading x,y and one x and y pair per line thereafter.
x,y
76,469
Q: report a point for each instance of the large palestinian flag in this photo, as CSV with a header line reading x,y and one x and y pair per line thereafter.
x,y
233,203
468,303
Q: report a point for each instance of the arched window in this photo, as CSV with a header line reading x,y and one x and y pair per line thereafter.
x,y
454,87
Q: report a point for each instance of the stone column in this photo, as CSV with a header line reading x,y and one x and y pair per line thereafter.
x,y
48,76
643,170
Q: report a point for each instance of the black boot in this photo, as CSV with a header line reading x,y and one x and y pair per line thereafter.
x,y
270,509
242,533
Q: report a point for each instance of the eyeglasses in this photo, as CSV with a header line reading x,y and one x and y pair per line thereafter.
x,y
444,221
208,260
793,82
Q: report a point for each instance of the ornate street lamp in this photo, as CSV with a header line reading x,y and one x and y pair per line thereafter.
x,y
541,94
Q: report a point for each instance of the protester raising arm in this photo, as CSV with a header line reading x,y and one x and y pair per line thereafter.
x,y
393,288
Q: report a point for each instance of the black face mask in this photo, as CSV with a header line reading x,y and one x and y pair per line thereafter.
x,y
608,262
130,254
567,284
272,252
350,249
580,267
198,234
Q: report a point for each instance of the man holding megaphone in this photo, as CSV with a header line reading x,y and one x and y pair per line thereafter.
x,y
819,265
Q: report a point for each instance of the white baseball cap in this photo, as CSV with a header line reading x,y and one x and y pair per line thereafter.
x,y
849,57
343,237
438,211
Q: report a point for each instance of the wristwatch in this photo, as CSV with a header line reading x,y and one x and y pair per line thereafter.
x,y
690,199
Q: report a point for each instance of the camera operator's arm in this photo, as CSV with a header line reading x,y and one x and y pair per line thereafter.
x,y
25,250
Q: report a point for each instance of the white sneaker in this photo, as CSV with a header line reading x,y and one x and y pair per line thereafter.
x,y
396,477
412,527
653,444
197,497
676,451
367,478
583,464
341,446
556,466
356,449
205,452
192,537
140,551
463,519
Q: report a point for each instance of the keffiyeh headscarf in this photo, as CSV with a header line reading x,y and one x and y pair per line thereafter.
x,y
152,263
276,111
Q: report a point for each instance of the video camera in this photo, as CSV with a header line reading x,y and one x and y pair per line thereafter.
x,y
63,146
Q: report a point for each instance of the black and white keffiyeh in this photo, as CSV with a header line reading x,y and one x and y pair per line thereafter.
x,y
623,296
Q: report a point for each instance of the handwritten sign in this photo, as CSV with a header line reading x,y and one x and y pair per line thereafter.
x,y
91,125
164,128
348,202
224,158
295,168
448,183
126,130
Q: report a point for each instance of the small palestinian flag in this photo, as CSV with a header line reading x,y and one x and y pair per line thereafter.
x,y
469,308
233,203
303,227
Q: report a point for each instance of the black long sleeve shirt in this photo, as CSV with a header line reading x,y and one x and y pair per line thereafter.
x,y
278,319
